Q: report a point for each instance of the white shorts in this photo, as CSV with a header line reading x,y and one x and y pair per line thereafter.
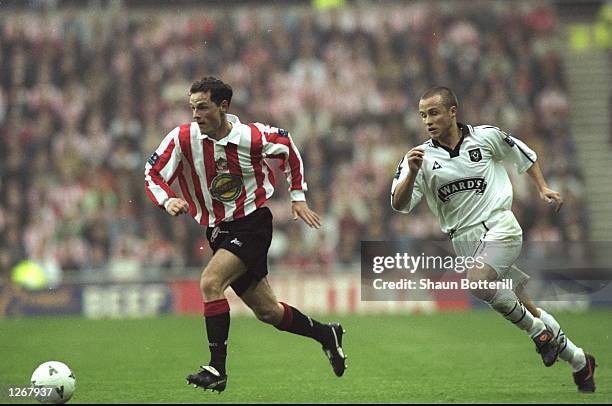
x,y
497,242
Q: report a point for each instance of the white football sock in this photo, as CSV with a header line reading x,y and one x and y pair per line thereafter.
x,y
508,305
568,351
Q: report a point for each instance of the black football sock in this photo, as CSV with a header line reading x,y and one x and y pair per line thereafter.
x,y
296,322
217,319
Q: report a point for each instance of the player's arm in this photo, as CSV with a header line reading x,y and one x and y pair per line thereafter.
x,y
524,158
546,194
160,171
403,187
278,144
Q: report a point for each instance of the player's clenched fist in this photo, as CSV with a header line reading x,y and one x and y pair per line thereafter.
x,y
175,206
415,158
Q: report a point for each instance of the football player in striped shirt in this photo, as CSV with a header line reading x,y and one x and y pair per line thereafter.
x,y
220,166
459,173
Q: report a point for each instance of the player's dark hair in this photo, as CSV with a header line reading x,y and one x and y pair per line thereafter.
x,y
449,99
219,91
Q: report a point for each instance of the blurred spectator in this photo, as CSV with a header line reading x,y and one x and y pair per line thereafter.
x,y
85,97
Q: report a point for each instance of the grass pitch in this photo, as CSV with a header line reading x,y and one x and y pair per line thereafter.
x,y
443,358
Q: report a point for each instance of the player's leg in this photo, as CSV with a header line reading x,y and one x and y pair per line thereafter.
x,y
526,300
262,301
260,298
223,269
506,302
583,364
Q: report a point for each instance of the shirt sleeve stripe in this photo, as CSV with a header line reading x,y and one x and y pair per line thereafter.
x,y
525,153
256,160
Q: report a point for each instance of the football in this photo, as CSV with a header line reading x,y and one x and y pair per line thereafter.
x,y
56,379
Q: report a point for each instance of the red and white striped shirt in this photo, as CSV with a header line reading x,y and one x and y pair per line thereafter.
x,y
227,179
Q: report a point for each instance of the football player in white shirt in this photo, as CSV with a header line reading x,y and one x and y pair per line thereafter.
x,y
460,174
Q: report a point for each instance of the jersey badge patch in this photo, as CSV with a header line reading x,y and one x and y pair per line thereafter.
x,y
436,165
153,159
475,155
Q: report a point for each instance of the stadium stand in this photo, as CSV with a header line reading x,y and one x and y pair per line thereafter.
x,y
87,94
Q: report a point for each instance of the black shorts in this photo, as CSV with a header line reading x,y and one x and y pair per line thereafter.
x,y
249,239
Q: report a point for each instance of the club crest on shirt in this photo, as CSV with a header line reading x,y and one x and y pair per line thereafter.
x,y
462,185
221,165
226,187
475,155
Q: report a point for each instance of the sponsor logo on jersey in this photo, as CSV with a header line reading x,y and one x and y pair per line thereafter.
x,y
508,140
475,155
462,185
226,187
436,165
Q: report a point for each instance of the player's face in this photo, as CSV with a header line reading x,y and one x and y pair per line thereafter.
x,y
206,113
437,119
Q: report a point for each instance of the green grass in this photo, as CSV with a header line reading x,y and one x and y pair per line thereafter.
x,y
447,358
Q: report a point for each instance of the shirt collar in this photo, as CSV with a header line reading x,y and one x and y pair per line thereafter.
x,y
465,131
233,136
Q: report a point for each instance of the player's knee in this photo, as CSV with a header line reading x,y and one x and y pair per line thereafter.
x,y
476,276
210,286
268,314
484,273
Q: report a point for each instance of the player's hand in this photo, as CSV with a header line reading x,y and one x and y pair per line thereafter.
x,y
301,210
177,206
550,196
415,158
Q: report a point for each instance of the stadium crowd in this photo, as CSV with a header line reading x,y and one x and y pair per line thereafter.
x,y
87,94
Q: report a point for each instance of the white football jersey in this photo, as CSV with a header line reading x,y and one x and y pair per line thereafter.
x,y
465,186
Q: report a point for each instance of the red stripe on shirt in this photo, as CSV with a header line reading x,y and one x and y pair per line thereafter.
x,y
179,170
208,149
270,175
156,176
231,152
256,160
185,140
295,166
151,196
187,195
293,160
